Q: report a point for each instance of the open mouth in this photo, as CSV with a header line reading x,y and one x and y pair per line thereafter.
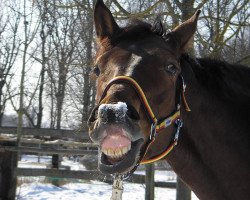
x,y
115,147
118,153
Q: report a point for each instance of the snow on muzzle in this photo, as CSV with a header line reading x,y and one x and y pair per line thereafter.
x,y
113,112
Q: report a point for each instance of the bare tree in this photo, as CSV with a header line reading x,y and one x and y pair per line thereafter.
x,y
84,94
237,49
30,28
221,24
65,40
42,57
10,46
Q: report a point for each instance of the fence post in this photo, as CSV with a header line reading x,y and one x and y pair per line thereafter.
x,y
149,180
183,192
56,159
8,180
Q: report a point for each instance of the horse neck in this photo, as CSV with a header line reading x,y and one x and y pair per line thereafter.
x,y
210,123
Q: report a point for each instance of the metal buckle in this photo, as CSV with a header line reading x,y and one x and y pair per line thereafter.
x,y
153,131
179,124
183,84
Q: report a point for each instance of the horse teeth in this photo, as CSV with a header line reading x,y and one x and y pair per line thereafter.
x,y
116,153
124,150
105,151
110,152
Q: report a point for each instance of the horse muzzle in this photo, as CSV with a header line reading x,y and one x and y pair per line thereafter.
x,y
115,128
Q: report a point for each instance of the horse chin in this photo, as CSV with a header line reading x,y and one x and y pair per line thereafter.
x,y
123,165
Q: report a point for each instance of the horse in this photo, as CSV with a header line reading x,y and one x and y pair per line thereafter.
x,y
155,101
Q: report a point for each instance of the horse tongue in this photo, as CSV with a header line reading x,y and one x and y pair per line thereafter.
x,y
116,138
115,141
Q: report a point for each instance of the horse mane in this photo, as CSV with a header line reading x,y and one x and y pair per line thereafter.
x,y
134,30
230,82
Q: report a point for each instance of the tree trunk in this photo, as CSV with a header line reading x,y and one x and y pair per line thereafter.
x,y
59,107
42,73
86,71
187,10
2,83
62,79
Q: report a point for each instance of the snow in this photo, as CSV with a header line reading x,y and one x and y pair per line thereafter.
x,y
33,161
161,175
87,191
38,188
73,164
119,108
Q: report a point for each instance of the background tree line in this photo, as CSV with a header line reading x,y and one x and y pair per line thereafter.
x,y
46,50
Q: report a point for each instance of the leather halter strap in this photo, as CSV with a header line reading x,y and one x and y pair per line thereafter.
x,y
156,126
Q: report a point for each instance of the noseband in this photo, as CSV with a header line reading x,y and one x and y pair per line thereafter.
x,y
156,125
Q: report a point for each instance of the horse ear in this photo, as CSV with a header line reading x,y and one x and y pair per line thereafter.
x,y
158,27
105,25
184,33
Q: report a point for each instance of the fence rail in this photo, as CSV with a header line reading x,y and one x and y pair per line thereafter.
x,y
86,175
49,151
46,132
50,141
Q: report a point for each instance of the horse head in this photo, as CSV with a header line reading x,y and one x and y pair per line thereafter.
x,y
138,72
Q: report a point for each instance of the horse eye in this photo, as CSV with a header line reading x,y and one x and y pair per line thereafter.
x,y
172,69
96,70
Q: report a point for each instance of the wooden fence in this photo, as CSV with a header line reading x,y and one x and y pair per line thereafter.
x,y
65,142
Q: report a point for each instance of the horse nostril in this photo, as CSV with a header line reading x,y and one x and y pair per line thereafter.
x,y
93,116
102,114
132,113
96,114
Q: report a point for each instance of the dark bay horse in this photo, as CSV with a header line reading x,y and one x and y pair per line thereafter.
x,y
151,94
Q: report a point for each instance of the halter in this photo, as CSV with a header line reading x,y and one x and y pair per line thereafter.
x,y
156,125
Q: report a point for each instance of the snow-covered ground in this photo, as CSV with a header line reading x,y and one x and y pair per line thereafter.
x,y
87,191
38,188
